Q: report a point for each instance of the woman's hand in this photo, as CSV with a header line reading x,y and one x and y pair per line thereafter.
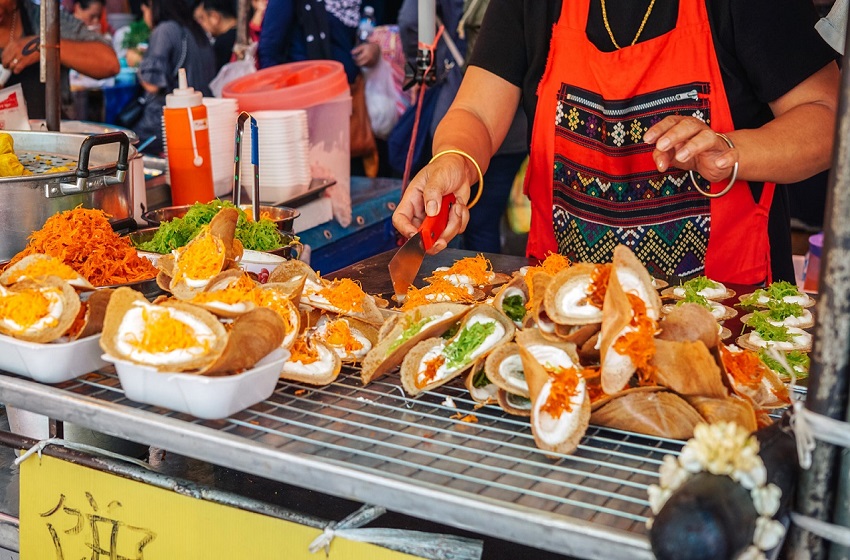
x,y
688,143
423,197
366,54
13,57
134,57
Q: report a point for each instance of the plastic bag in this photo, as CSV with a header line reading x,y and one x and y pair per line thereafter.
x,y
382,95
13,109
234,70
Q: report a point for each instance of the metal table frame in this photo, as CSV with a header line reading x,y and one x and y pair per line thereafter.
x,y
365,444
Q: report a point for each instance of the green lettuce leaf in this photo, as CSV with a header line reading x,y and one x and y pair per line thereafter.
x,y
761,324
471,337
409,332
514,307
480,379
799,362
700,283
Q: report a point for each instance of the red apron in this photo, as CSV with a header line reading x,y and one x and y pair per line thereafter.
x,y
592,181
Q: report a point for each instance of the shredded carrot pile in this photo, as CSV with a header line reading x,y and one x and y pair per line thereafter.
x,y
277,303
478,269
45,267
338,333
430,373
598,285
563,385
84,240
163,333
25,309
551,265
303,351
639,344
745,366
437,291
345,294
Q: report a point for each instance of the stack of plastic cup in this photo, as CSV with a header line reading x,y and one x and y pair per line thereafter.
x,y
284,155
222,114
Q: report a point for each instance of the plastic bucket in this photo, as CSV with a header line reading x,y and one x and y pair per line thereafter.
x,y
320,87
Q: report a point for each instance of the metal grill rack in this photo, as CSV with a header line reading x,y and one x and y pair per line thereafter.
x,y
441,459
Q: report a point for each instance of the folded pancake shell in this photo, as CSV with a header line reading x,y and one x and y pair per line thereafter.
x,y
38,266
38,310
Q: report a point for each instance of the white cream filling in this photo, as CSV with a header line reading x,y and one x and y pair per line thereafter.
x,y
322,366
133,324
484,394
708,293
631,283
799,339
55,307
512,371
554,431
238,307
614,361
572,300
799,300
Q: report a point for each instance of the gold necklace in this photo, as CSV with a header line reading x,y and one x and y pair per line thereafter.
x,y
639,31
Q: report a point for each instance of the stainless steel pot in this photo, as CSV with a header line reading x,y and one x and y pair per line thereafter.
x,y
98,179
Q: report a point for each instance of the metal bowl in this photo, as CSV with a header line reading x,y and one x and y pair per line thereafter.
x,y
282,216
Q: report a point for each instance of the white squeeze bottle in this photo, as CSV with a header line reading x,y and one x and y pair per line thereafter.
x,y
188,138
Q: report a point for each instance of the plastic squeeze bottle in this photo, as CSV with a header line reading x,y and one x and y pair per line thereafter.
x,y
187,139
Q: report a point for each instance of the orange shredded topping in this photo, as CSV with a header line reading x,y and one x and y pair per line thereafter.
x,y
163,333
303,351
277,303
50,266
83,239
79,320
430,373
551,265
478,269
202,258
300,392
25,309
598,285
437,291
345,294
745,366
593,377
639,344
464,417
563,385
338,333
243,290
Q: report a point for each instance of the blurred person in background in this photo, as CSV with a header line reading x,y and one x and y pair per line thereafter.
x,y
258,12
90,13
218,19
80,49
176,41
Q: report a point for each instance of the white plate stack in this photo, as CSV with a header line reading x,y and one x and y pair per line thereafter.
x,y
284,155
222,115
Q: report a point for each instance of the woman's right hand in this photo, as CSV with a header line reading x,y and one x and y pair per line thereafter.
x,y
134,57
423,197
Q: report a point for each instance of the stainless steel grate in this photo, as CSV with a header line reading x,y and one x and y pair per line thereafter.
x,y
46,163
379,430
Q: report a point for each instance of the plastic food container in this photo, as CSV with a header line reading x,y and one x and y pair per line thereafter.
x,y
811,276
54,362
210,398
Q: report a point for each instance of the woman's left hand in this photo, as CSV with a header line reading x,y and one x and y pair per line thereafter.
x,y
366,54
688,143
13,57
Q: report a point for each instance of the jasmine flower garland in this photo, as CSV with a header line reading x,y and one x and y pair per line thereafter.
x,y
725,449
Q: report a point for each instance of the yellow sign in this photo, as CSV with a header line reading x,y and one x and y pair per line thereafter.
x,y
70,512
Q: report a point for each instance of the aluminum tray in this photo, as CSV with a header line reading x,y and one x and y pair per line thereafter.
x,y
374,445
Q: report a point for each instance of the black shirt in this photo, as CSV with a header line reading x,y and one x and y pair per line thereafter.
x,y
765,48
223,47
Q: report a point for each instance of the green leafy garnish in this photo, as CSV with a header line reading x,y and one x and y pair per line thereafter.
x,y
692,296
778,310
760,323
138,33
799,362
480,379
471,337
514,307
176,233
451,331
700,283
782,289
752,300
409,332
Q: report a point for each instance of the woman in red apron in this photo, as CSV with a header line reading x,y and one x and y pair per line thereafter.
x,y
615,135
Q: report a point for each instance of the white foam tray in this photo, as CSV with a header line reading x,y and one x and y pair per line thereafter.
x,y
210,398
54,362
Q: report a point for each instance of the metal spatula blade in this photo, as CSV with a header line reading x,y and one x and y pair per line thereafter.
x,y
405,265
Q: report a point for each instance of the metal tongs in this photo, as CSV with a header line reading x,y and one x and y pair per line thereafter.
x,y
255,161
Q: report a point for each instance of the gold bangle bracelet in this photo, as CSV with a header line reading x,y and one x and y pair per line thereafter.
x,y
477,168
732,179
